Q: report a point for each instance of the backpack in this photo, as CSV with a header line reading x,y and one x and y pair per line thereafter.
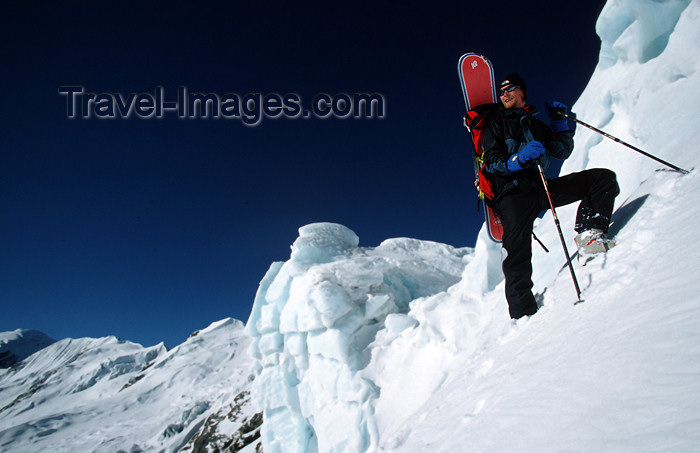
x,y
477,120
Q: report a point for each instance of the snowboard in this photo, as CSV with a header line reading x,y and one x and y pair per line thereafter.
x,y
479,87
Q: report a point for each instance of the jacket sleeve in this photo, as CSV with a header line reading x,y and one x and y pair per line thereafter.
x,y
495,149
560,145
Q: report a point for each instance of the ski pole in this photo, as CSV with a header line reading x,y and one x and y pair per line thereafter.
x,y
561,235
678,169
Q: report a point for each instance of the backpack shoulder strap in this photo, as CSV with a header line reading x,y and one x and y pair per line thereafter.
x,y
480,116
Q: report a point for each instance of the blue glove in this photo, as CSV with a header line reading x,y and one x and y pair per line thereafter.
x,y
556,114
524,158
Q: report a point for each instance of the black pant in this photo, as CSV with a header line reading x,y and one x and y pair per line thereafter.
x,y
596,188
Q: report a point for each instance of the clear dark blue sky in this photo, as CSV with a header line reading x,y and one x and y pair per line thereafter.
x,y
149,229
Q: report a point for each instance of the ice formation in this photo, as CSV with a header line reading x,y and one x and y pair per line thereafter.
x,y
312,321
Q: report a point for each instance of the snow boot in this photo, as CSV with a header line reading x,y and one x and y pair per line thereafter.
x,y
593,241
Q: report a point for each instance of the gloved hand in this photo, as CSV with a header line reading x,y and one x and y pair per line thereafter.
x,y
556,111
526,156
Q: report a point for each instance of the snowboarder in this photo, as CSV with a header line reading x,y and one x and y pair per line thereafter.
x,y
513,144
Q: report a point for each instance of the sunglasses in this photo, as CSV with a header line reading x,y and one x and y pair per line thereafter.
x,y
509,88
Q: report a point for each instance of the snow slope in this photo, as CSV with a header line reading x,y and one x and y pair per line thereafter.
x,y
447,370
106,395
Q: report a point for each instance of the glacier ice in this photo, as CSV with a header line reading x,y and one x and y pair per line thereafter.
x,y
312,321
636,30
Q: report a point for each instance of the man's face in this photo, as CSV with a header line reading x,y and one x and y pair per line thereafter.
x,y
513,99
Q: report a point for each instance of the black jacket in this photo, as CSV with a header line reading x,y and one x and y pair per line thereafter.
x,y
508,132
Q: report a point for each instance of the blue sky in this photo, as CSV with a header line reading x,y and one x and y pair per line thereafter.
x,y
149,229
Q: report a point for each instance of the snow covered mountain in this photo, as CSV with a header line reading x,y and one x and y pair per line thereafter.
x,y
18,345
106,395
407,346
